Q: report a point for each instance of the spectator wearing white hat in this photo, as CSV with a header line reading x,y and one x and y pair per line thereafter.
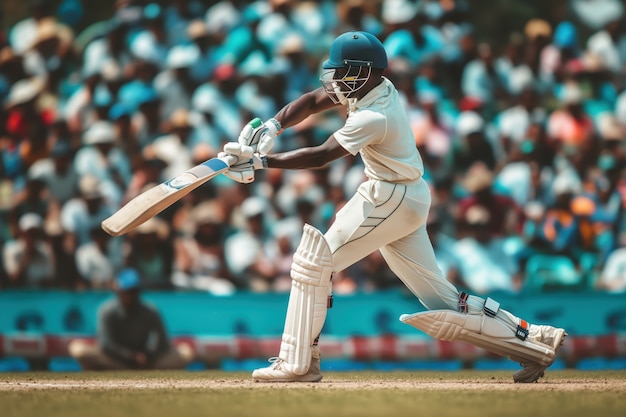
x,y
28,259
472,144
99,156
208,129
111,47
84,212
245,250
50,51
150,44
174,85
23,34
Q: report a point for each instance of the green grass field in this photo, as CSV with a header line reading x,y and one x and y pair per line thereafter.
x,y
213,393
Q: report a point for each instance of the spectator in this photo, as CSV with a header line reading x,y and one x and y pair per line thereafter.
x,y
570,126
51,52
505,216
412,38
561,58
174,85
100,157
150,44
173,147
97,261
199,262
484,78
245,250
84,212
148,173
472,145
58,172
176,18
26,125
28,259
150,252
109,48
131,334
22,35
207,51
514,122
483,265
604,45
613,276
561,227
32,199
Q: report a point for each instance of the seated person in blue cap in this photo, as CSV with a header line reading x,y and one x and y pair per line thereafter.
x,y
131,334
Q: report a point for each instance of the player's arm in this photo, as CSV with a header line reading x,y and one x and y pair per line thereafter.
x,y
309,157
260,136
310,103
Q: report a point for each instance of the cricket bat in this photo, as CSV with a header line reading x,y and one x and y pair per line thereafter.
x,y
153,201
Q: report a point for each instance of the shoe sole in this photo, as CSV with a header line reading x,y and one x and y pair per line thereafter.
x,y
558,343
283,381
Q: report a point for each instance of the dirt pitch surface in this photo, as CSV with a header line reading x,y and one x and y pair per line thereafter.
x,y
351,394
336,382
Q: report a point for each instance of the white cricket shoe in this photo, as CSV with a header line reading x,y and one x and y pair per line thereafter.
x,y
548,335
277,373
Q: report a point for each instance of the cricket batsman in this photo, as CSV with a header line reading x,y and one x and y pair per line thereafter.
x,y
387,213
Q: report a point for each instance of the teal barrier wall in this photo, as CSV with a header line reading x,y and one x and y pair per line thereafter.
x,y
263,314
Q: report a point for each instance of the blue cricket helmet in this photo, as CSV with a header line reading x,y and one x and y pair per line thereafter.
x,y
356,49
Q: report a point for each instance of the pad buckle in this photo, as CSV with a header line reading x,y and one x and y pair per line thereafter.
x,y
462,304
329,301
491,307
522,330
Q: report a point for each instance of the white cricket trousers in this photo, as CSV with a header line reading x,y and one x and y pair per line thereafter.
x,y
392,218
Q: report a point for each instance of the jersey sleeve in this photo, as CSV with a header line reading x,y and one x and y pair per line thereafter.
x,y
362,128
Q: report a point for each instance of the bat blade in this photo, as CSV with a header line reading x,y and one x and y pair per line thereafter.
x,y
153,201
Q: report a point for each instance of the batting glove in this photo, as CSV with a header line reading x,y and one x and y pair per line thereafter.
x,y
243,161
260,136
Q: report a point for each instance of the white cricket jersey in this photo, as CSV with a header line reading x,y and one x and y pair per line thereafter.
x,y
377,127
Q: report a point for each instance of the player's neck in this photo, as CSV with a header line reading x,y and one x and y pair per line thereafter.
x,y
369,86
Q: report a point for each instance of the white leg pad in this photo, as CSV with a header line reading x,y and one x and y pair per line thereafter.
x,y
311,272
480,330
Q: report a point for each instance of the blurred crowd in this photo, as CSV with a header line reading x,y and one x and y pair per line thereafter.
x,y
523,139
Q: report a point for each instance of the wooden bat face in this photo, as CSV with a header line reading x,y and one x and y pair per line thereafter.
x,y
158,198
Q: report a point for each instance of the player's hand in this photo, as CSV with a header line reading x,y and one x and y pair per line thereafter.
x,y
260,136
243,161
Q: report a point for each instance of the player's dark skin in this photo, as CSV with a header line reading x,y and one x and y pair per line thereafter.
x,y
310,103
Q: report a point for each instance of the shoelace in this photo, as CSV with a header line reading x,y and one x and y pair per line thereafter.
x,y
275,362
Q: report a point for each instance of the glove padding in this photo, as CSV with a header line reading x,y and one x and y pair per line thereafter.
x,y
243,161
260,136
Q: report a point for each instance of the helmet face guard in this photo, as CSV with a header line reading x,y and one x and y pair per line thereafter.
x,y
351,59
341,83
